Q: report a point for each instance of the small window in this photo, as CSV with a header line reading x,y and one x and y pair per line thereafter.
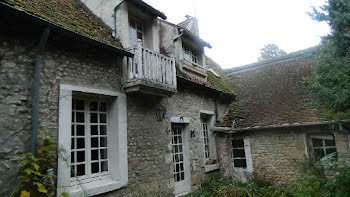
x,y
322,145
190,54
205,130
238,153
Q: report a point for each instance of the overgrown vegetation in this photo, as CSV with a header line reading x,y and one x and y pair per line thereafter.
x,y
36,175
330,83
330,180
270,51
222,83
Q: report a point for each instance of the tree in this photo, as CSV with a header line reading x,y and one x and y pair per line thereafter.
x,y
330,82
270,51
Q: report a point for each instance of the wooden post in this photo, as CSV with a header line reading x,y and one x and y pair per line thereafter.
x,y
174,72
139,59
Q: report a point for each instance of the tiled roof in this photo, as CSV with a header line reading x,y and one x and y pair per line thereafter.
x,y
272,93
68,14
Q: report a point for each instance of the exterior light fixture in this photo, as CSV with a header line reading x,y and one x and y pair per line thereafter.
x,y
193,134
160,112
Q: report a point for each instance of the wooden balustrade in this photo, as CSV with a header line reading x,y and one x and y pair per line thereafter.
x,y
151,68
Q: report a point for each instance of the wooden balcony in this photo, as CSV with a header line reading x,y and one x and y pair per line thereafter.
x,y
149,72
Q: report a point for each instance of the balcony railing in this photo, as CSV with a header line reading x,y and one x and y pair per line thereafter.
x,y
149,71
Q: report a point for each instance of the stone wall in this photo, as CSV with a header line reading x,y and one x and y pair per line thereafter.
x,y
277,154
65,60
68,61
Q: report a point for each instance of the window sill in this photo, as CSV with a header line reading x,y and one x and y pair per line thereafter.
x,y
211,167
94,188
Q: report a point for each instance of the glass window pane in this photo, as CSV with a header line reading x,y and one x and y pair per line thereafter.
x,y
103,118
80,117
103,130
93,106
94,154
103,107
317,142
237,143
93,117
73,117
72,129
72,157
318,154
103,153
80,130
72,145
330,150
103,142
80,143
240,163
104,166
94,142
238,153
95,167
80,156
139,35
72,171
94,130
81,169
79,104
329,142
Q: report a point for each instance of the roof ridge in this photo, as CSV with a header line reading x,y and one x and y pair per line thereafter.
x,y
260,64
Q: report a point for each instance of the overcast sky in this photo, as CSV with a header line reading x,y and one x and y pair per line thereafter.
x,y
238,29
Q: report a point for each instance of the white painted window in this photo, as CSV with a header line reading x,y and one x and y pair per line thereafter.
x,y
178,154
322,145
92,139
89,147
136,31
190,54
241,154
205,130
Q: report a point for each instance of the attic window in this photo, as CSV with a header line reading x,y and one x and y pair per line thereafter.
x,y
190,54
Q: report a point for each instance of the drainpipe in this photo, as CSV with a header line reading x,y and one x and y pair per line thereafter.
x,y
37,64
177,37
216,110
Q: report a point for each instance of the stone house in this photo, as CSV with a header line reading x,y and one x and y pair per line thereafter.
x,y
136,107
127,96
273,127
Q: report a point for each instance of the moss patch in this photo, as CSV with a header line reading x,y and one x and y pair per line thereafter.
x,y
70,14
222,83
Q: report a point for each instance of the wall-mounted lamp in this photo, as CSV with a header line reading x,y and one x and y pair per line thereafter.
x,y
193,134
160,112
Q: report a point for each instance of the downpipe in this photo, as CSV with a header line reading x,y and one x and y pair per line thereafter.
x,y
37,65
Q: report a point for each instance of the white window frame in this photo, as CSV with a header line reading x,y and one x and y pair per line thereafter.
x,y
324,147
117,139
192,53
248,155
138,29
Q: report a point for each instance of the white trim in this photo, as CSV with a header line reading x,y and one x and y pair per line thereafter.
x,y
119,167
211,167
181,120
206,112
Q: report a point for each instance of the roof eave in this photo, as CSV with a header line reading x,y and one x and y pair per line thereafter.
x,y
150,8
195,38
66,31
245,129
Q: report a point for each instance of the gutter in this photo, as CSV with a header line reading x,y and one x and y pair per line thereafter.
x,y
257,128
37,65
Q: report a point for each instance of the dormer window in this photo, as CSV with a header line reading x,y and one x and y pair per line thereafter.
x,y
190,54
136,30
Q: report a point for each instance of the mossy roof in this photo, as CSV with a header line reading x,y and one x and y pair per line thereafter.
x,y
68,14
273,94
222,83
